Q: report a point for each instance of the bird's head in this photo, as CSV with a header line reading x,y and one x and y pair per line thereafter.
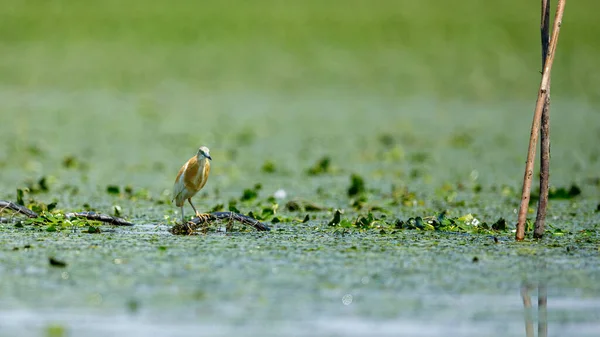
x,y
204,152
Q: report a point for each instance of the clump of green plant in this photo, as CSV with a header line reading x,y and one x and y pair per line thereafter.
x,y
461,139
250,194
357,185
467,223
128,193
57,221
386,140
73,163
34,205
245,137
322,166
362,222
41,185
269,167
402,196
303,206
564,193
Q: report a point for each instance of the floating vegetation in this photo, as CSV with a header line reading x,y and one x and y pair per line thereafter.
x,y
246,137
322,166
303,206
467,223
560,192
386,140
402,196
56,220
113,189
563,193
269,167
117,210
73,163
337,218
500,225
357,185
461,139
250,194
56,263
419,157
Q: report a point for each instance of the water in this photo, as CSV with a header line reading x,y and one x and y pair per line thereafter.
x,y
438,315
421,103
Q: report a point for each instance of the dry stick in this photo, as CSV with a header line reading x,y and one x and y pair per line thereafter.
x,y
540,219
544,132
535,127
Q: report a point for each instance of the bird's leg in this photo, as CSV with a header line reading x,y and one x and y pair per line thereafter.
x,y
193,207
182,218
203,216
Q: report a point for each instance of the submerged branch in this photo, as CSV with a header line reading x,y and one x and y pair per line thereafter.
x,y
17,208
88,215
192,226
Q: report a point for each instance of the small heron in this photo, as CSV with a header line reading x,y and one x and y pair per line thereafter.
x,y
192,176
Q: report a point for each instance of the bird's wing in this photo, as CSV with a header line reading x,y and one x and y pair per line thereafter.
x,y
179,186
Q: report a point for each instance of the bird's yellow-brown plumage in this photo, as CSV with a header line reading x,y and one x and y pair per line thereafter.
x,y
191,178
193,175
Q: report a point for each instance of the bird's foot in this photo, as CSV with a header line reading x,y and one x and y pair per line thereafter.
x,y
190,226
204,217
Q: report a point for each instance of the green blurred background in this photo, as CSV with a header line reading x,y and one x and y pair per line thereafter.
x,y
472,49
134,87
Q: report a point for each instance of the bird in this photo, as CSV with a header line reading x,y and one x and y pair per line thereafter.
x,y
191,178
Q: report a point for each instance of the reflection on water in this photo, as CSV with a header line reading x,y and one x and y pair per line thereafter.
x,y
526,289
437,315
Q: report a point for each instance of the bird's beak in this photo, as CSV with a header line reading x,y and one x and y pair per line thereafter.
x,y
209,157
